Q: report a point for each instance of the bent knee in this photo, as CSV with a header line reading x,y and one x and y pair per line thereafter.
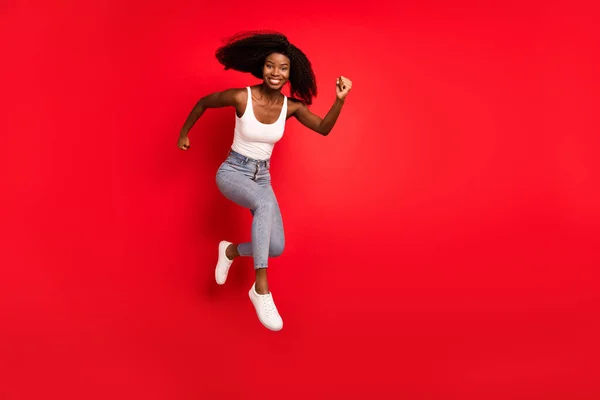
x,y
268,206
276,248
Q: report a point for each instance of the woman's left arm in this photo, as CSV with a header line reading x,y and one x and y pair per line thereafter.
x,y
324,126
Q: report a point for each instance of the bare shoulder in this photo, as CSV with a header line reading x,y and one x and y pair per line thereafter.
x,y
228,97
237,95
294,105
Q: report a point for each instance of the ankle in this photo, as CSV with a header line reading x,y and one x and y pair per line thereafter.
x,y
262,288
231,251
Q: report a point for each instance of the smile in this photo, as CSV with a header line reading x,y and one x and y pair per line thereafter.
x,y
273,81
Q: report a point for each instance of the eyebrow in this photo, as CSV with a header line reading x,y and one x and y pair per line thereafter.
x,y
272,62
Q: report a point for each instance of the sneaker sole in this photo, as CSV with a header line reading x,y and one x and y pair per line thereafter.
x,y
217,267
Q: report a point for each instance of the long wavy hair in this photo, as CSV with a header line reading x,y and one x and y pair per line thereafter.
x,y
247,51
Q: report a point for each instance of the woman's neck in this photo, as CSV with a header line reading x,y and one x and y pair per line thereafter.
x,y
268,94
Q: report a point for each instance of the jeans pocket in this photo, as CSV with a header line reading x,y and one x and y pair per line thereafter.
x,y
226,167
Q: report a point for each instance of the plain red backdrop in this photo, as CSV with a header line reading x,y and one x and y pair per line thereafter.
x,y
442,242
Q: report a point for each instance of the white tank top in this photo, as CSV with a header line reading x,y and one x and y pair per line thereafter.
x,y
253,138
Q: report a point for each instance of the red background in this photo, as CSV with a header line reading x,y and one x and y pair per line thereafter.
x,y
442,242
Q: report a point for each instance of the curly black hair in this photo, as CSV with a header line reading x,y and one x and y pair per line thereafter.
x,y
247,51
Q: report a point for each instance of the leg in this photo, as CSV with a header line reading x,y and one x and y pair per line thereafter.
x,y
247,193
236,185
276,245
277,239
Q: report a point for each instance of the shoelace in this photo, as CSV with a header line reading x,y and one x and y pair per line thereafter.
x,y
269,305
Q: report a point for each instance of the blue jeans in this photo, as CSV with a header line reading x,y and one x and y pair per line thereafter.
x,y
247,182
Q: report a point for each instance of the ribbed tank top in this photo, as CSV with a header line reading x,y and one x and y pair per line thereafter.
x,y
253,138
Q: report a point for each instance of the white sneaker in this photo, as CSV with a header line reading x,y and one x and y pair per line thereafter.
x,y
266,310
223,263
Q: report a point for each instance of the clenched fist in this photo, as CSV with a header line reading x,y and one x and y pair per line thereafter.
x,y
343,87
184,143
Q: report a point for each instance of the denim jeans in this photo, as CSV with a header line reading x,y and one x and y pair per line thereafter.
x,y
247,182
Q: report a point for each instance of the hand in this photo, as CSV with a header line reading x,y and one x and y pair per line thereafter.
x,y
184,142
343,87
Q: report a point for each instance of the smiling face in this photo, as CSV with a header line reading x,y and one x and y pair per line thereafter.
x,y
276,71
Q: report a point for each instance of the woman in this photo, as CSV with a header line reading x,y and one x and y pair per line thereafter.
x,y
261,113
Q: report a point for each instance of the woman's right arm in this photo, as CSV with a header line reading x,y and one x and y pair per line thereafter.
x,y
229,97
